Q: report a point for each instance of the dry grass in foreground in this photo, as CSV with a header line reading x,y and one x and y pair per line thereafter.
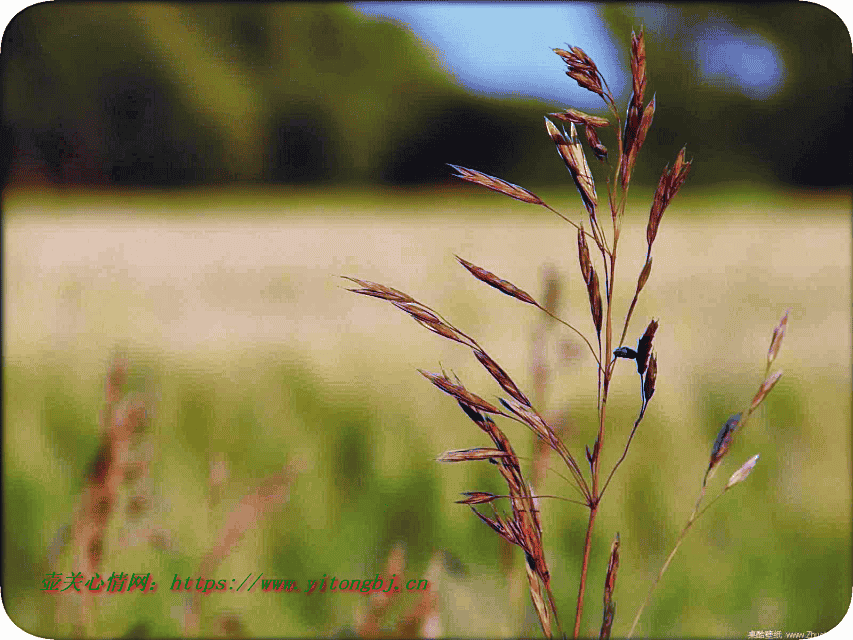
x,y
522,526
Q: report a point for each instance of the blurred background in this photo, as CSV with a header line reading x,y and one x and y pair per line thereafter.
x,y
184,183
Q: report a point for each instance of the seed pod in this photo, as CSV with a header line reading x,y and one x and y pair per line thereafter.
x,y
650,379
496,184
595,300
459,392
644,346
595,144
668,185
579,117
583,256
465,455
570,150
625,352
724,440
638,64
644,274
493,281
765,388
776,341
477,497
501,376
609,586
741,474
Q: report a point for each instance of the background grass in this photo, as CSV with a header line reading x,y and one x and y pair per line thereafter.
x,y
231,314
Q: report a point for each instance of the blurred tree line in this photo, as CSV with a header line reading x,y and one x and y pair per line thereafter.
x,y
160,94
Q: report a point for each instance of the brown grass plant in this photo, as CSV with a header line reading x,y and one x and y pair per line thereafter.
x,y
269,495
419,620
122,417
597,243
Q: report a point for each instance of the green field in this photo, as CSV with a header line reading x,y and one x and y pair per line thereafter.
x,y
235,324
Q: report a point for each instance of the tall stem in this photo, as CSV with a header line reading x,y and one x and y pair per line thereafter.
x,y
582,586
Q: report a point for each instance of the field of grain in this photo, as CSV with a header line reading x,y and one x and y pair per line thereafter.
x,y
236,325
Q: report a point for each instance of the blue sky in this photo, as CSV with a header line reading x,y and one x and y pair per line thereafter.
x,y
505,48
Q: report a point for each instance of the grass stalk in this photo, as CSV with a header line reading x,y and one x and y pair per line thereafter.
x,y
521,526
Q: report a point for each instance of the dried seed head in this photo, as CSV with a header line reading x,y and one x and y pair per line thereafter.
x,y
429,320
609,586
481,420
466,455
579,117
612,568
595,144
496,184
459,392
776,341
724,439
477,497
650,378
644,274
741,474
500,375
379,291
533,577
570,150
640,125
581,69
644,346
668,185
501,285
638,64
595,300
529,416
498,525
583,256
607,623
625,352
765,388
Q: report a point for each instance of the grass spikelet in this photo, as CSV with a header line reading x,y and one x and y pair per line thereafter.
x,y
668,185
570,150
500,375
609,587
496,184
776,341
741,474
466,455
644,346
764,389
493,281
459,392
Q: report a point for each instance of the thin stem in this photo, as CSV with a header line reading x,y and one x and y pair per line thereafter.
x,y
574,224
582,586
690,522
627,445
563,322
